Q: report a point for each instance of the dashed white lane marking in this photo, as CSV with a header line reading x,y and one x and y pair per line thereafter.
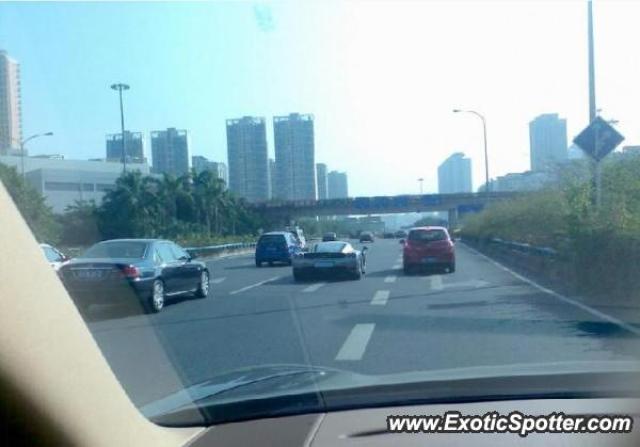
x,y
380,298
435,282
258,284
218,280
563,298
390,278
356,343
314,287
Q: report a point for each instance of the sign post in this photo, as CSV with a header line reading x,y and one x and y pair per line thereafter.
x,y
597,140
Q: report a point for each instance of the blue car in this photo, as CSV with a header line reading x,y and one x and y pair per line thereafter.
x,y
276,246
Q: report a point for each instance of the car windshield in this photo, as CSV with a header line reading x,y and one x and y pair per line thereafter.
x,y
246,132
427,235
271,239
124,249
329,247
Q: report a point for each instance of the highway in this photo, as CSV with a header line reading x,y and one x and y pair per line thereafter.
x,y
385,323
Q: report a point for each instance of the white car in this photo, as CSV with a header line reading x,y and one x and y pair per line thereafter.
x,y
330,258
53,255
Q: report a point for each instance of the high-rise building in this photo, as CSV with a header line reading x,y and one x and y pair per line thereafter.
x,y
337,185
548,141
454,174
272,176
170,151
247,157
10,104
134,142
321,178
219,170
295,157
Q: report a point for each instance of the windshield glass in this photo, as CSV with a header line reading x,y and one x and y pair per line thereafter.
x,y
329,247
245,132
133,250
427,235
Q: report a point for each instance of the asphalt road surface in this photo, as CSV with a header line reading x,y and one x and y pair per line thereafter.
x,y
385,323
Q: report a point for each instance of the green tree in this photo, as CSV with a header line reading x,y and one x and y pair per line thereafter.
x,y
37,214
79,224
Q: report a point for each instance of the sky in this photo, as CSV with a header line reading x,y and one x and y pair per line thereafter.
x,y
380,77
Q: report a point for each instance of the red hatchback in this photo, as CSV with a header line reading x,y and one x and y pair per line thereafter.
x,y
428,247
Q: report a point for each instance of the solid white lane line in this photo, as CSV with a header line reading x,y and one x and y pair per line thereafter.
x,y
589,309
356,343
218,280
390,278
314,287
258,284
436,282
380,298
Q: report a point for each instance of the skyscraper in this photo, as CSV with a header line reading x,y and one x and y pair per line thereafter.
x,y
337,185
295,157
548,141
170,151
134,146
454,174
321,178
272,176
219,170
247,157
10,104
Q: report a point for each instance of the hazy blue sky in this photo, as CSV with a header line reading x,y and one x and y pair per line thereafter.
x,y
381,78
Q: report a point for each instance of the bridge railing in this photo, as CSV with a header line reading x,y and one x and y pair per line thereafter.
x,y
220,250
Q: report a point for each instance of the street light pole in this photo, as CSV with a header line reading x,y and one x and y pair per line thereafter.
x,y
484,134
120,87
22,147
421,180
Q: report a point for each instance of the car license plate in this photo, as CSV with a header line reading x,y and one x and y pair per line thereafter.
x,y
88,274
323,264
430,260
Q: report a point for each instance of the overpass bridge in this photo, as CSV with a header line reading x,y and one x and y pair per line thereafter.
x,y
454,204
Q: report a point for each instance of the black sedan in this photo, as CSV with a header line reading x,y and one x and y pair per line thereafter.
x,y
146,271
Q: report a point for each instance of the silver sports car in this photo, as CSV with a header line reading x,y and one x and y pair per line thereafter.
x,y
330,258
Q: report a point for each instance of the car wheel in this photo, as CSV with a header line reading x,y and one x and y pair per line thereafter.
x,y
203,286
155,302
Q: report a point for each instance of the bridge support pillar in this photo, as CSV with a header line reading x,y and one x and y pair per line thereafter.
x,y
453,218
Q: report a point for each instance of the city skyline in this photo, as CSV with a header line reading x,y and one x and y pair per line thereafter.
x,y
341,101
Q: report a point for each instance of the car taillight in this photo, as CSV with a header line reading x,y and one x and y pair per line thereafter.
x,y
131,271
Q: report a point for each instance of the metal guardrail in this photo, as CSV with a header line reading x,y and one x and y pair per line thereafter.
x,y
222,249
522,247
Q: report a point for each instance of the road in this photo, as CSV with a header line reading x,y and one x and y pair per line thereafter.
x,y
385,323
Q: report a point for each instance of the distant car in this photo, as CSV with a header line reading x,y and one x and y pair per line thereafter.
x,y
328,237
53,255
388,235
366,236
428,247
330,258
401,233
277,246
122,270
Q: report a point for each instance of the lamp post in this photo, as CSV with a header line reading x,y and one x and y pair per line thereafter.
x,y
22,147
484,132
120,87
421,180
